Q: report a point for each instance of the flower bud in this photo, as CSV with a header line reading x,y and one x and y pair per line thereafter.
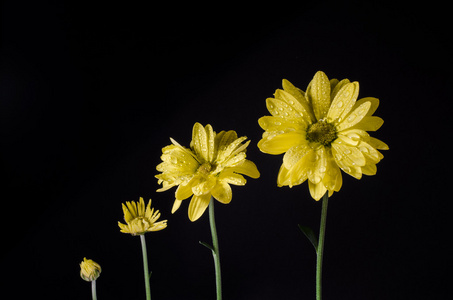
x,y
89,270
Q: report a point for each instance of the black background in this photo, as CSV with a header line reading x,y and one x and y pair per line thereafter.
x,y
91,92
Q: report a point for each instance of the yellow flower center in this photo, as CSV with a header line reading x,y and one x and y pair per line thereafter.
x,y
321,132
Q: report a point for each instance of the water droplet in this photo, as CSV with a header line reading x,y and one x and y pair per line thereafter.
x,y
322,169
347,151
351,118
340,104
278,123
364,149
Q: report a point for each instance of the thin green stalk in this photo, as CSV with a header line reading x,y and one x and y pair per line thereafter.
x,y
145,267
322,231
93,290
215,249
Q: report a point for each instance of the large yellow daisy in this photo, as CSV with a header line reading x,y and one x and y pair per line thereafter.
x,y
322,131
207,168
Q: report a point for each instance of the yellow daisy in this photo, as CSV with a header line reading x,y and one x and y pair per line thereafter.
x,y
322,131
213,162
89,270
140,220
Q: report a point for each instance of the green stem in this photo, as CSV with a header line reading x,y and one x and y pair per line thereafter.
x,y
215,251
322,231
93,290
145,267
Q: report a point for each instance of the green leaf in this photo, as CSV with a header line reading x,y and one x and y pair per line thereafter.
x,y
207,245
310,235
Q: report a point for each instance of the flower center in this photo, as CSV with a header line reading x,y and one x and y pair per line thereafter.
x,y
204,169
321,132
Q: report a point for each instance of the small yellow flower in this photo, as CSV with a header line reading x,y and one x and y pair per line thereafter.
x,y
89,270
322,131
140,220
213,162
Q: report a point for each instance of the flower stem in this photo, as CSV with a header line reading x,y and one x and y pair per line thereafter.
x,y
215,251
93,290
145,267
319,252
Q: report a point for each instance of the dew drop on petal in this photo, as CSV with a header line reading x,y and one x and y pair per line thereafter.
x,y
351,118
364,149
347,151
340,104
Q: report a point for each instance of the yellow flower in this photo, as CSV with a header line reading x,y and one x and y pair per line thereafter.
x,y
89,270
140,220
322,131
213,162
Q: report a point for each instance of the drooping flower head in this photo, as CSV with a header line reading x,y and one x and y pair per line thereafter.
x,y
322,131
89,270
140,220
207,168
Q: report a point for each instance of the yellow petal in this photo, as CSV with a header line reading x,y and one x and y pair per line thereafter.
x,y
347,156
222,192
283,177
370,153
228,151
291,107
141,208
229,176
158,226
333,83
298,173
318,93
247,168
354,117
378,144
149,211
123,227
374,104
295,154
199,142
369,123
337,87
316,190
271,123
176,205
183,191
276,143
319,166
198,205
280,108
343,102
332,178
296,92
224,138
369,170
